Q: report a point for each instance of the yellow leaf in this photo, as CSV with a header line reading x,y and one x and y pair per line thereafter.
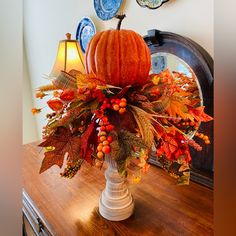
x,y
136,179
156,79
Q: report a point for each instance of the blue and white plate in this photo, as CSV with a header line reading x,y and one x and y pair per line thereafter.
x,y
107,9
85,31
159,62
152,4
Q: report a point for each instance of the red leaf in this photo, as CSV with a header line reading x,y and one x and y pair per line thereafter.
x,y
67,95
88,156
173,145
199,114
84,150
160,130
185,152
55,104
126,121
64,142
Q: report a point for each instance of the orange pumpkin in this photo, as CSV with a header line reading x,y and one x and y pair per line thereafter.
x,y
118,57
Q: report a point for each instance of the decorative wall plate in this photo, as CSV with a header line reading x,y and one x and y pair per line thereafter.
x,y
85,31
152,4
107,9
159,64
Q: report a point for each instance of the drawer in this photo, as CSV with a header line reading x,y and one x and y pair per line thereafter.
x,y
33,218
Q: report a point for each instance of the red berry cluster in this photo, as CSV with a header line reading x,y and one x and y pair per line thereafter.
x,y
105,104
97,93
195,145
119,105
103,138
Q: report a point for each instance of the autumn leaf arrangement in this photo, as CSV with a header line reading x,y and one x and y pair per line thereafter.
x,y
91,119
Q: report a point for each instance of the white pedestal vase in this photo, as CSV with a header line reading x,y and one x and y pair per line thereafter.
x,y
116,203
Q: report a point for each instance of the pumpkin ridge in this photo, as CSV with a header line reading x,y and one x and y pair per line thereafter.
x,y
125,54
104,50
99,59
140,54
119,55
135,55
111,70
89,57
144,61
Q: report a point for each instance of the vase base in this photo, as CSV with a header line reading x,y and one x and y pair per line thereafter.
x,y
118,213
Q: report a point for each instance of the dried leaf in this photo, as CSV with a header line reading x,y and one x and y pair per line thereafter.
x,y
177,106
65,81
48,87
123,91
144,122
64,142
71,115
122,147
160,105
83,80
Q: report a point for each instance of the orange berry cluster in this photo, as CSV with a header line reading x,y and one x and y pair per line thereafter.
x,y
103,138
185,123
115,104
205,138
119,105
195,145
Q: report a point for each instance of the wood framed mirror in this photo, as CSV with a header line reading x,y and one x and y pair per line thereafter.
x,y
181,54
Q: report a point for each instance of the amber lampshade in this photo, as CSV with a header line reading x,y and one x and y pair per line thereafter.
x,y
69,56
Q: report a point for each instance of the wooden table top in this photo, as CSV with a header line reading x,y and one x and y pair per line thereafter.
x,y
70,206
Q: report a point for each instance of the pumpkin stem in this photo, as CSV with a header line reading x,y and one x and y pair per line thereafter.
x,y
120,17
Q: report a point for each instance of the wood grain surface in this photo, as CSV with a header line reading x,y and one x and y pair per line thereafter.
x,y
70,206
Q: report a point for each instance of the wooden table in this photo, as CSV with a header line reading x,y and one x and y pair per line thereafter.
x,y
69,207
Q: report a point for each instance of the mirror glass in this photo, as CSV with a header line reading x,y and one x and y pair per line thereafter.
x,y
162,61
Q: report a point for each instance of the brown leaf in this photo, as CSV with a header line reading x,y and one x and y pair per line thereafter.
x,y
64,142
123,91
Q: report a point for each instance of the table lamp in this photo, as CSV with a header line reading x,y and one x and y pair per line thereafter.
x,y
69,56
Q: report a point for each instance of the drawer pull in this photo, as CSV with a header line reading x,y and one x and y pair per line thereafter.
x,y
40,224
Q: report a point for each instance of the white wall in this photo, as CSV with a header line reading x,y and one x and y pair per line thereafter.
x,y
47,21
30,133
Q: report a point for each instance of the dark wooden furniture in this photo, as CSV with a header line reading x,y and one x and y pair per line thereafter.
x,y
69,207
202,65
